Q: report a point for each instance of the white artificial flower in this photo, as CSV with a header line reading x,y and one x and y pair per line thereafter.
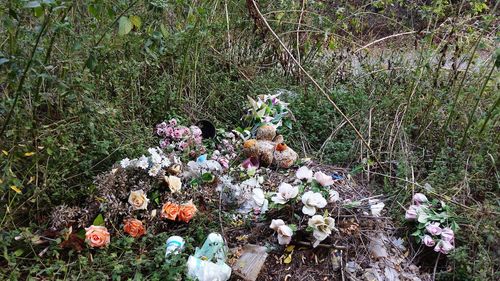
x,y
322,227
303,173
376,207
285,193
284,232
142,162
174,183
260,203
334,196
311,201
155,156
125,163
323,179
165,162
154,170
258,196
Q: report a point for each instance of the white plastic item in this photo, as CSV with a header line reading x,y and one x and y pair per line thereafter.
x,y
208,263
207,270
175,244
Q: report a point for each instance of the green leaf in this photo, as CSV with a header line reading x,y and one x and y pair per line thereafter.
x,y
207,177
93,10
136,21
164,31
81,233
18,252
124,26
99,220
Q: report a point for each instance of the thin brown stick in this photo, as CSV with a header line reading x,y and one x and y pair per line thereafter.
x,y
335,106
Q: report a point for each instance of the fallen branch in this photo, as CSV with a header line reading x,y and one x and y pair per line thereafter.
x,y
322,245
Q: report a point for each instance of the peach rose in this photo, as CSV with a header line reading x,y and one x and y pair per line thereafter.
x,y
187,212
97,236
170,211
134,228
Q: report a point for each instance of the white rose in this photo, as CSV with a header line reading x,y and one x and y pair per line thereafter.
x,y
285,193
334,196
311,201
322,228
284,232
260,202
174,183
304,173
138,200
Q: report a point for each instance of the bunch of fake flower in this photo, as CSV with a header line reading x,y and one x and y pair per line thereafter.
x,y
181,138
434,228
225,150
312,200
153,163
267,109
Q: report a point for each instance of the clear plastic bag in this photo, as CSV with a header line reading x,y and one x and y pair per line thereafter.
x,y
208,262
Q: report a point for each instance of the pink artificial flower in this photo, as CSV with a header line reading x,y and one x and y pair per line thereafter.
x,y
202,150
197,140
177,134
419,199
275,100
434,228
172,122
185,131
252,162
447,234
411,213
182,145
323,179
196,131
164,143
428,241
168,131
268,119
160,131
443,247
160,128
162,125
224,162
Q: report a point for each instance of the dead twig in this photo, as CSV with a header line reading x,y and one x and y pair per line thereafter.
x,y
322,245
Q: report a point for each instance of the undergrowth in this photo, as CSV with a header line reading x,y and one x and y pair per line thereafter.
x,y
82,87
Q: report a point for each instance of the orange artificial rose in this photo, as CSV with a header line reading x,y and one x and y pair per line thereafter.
x,y
97,236
134,228
170,211
187,212
281,147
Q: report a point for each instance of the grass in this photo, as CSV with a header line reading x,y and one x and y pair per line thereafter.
x,y
76,97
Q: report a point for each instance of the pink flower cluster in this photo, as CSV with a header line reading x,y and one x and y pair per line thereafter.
x,y
180,137
225,151
445,243
442,239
